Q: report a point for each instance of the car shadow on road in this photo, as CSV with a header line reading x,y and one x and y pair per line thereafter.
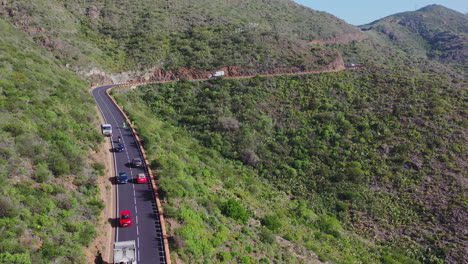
x,y
146,195
154,216
132,144
114,222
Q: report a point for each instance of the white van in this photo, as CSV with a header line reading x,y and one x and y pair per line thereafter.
x,y
106,130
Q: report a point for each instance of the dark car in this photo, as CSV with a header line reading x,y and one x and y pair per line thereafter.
x,y
137,162
122,178
119,148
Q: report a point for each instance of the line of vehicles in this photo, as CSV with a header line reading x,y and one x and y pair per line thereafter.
x,y
125,251
122,178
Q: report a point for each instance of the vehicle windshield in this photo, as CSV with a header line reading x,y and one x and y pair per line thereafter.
x,y
125,217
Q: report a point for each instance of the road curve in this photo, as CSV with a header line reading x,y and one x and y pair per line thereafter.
x,y
147,229
139,199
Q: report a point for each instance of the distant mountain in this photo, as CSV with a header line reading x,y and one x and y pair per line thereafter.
x,y
434,32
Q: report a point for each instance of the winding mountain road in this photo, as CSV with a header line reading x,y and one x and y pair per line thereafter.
x,y
139,199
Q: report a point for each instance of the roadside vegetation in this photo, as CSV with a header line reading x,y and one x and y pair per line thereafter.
x,y
48,203
342,165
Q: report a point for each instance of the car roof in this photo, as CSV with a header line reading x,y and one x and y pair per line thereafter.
x,y
125,212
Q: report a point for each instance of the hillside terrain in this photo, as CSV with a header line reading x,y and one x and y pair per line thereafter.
x,y
320,161
175,34
358,166
49,192
433,32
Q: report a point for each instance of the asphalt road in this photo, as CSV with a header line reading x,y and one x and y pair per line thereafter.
x,y
137,198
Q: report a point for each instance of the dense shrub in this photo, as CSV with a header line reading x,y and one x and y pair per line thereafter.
x,y
233,209
272,222
329,225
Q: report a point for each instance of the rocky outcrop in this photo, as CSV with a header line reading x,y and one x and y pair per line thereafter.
x,y
100,77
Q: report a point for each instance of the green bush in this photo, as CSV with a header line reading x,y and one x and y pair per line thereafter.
x,y
51,250
99,168
272,222
42,173
354,172
21,258
329,225
7,207
341,207
224,256
266,236
233,209
58,164
246,259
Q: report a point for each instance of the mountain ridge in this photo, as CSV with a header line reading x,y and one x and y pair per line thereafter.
x,y
434,31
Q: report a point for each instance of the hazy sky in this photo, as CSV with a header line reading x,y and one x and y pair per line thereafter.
x,y
360,12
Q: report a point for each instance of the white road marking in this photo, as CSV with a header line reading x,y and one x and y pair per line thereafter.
x,y
138,246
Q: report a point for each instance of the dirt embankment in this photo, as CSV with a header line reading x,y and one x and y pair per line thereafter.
x,y
160,75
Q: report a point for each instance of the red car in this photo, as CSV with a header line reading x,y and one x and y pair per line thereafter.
x,y
125,218
142,178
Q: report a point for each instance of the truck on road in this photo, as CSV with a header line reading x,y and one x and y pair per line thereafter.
x,y
106,130
216,74
125,252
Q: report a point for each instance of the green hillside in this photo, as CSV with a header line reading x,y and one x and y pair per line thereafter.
x,y
434,32
345,165
176,34
359,166
48,203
